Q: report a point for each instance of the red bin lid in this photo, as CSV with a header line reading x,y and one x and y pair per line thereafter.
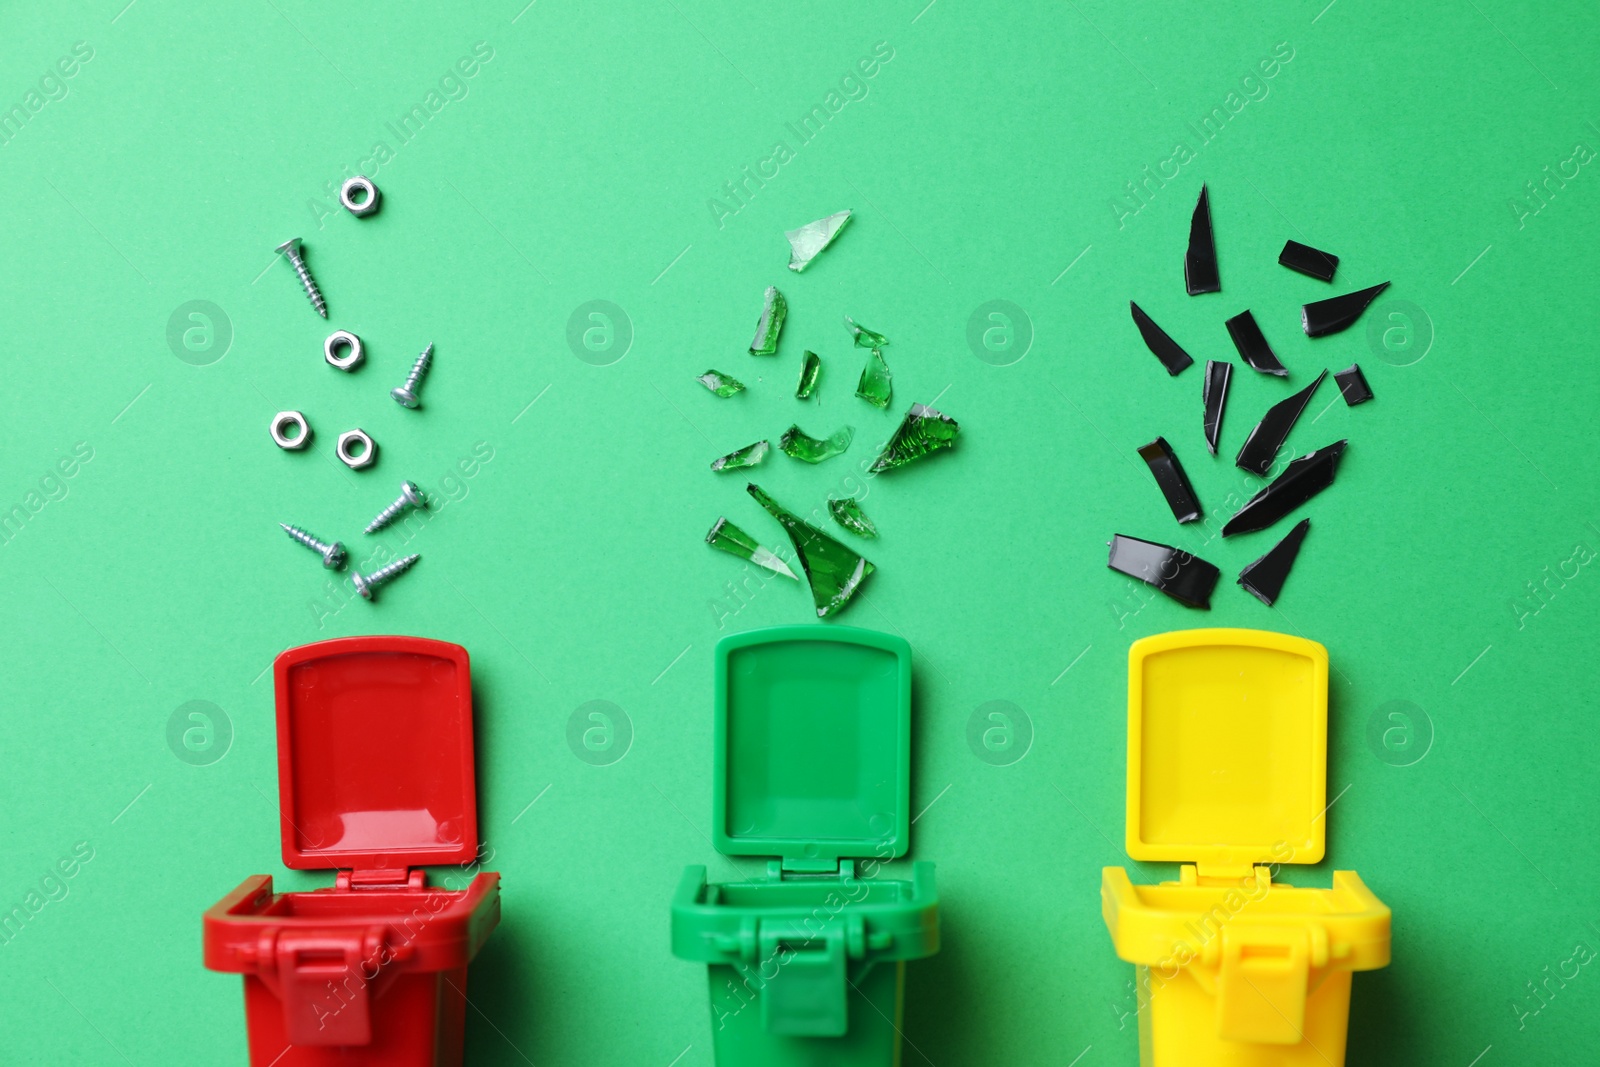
x,y
375,758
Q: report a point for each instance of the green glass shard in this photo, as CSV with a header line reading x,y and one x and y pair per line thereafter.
x,y
847,513
802,446
774,309
748,456
810,367
810,239
921,432
721,384
729,538
875,387
865,338
834,570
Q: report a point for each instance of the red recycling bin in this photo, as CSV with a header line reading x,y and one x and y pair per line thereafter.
x,y
375,781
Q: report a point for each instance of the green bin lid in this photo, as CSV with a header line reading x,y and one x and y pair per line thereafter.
x,y
813,745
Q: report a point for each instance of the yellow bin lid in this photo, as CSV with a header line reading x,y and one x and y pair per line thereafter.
x,y
1227,748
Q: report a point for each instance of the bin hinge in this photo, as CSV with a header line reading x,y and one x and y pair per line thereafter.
x,y
794,867
382,878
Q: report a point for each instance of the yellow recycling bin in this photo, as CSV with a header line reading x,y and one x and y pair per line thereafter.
x,y
1227,774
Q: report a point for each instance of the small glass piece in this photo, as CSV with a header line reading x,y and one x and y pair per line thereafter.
x,y
810,368
1200,261
1301,480
748,456
875,385
921,432
847,512
1174,483
834,570
864,337
774,309
721,384
1264,578
800,445
729,538
1185,578
1261,447
1337,312
1168,351
1353,385
1309,261
1252,345
1214,396
810,239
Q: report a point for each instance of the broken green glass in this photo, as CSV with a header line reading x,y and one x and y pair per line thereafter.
x,y
721,384
748,456
847,513
729,538
834,570
865,338
921,432
802,446
874,386
774,309
810,367
809,240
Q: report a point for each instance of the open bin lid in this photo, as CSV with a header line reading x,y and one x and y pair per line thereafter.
x,y
1227,748
813,745
375,755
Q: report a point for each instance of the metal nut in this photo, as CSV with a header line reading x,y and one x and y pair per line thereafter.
x,y
357,450
359,196
344,350
281,424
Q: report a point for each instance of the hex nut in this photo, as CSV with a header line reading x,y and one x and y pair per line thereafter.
x,y
359,196
344,350
357,450
282,422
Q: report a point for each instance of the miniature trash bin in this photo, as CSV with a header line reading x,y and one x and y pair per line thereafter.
x,y
806,954
1227,774
375,780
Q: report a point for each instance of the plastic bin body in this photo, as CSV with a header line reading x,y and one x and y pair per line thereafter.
x,y
375,778
1227,765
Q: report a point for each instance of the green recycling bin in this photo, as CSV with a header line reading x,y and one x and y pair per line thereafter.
x,y
806,953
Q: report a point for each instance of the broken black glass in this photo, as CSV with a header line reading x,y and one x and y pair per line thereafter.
x,y
1168,351
1309,261
1353,385
1214,396
1261,447
1200,262
1252,345
1301,480
1175,486
1185,578
1338,312
1264,578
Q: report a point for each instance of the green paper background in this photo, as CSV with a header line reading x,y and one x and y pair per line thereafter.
x,y
983,160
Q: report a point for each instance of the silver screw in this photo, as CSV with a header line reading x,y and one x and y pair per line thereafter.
x,y
291,248
365,586
406,395
410,497
333,554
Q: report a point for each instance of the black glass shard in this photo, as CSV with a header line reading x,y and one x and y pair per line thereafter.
x,y
1168,351
1175,486
1301,480
1264,578
1200,261
1215,398
1337,312
1252,345
1353,385
1185,578
1261,447
1309,261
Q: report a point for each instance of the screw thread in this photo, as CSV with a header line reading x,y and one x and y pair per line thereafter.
x,y
392,570
304,538
419,368
386,516
307,282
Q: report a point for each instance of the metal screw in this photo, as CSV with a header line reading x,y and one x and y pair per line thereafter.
x,y
406,395
291,248
333,554
410,497
366,586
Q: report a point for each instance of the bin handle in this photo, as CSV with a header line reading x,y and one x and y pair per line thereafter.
x,y
324,979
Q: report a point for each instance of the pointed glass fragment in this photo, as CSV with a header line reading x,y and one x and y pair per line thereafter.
x,y
1353,385
874,386
800,445
1214,396
721,384
1308,261
1301,480
1252,345
774,309
1168,351
864,337
1337,312
810,367
834,570
748,456
1175,485
921,432
1185,578
810,239
847,512
729,538
1264,578
1261,447
1200,262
